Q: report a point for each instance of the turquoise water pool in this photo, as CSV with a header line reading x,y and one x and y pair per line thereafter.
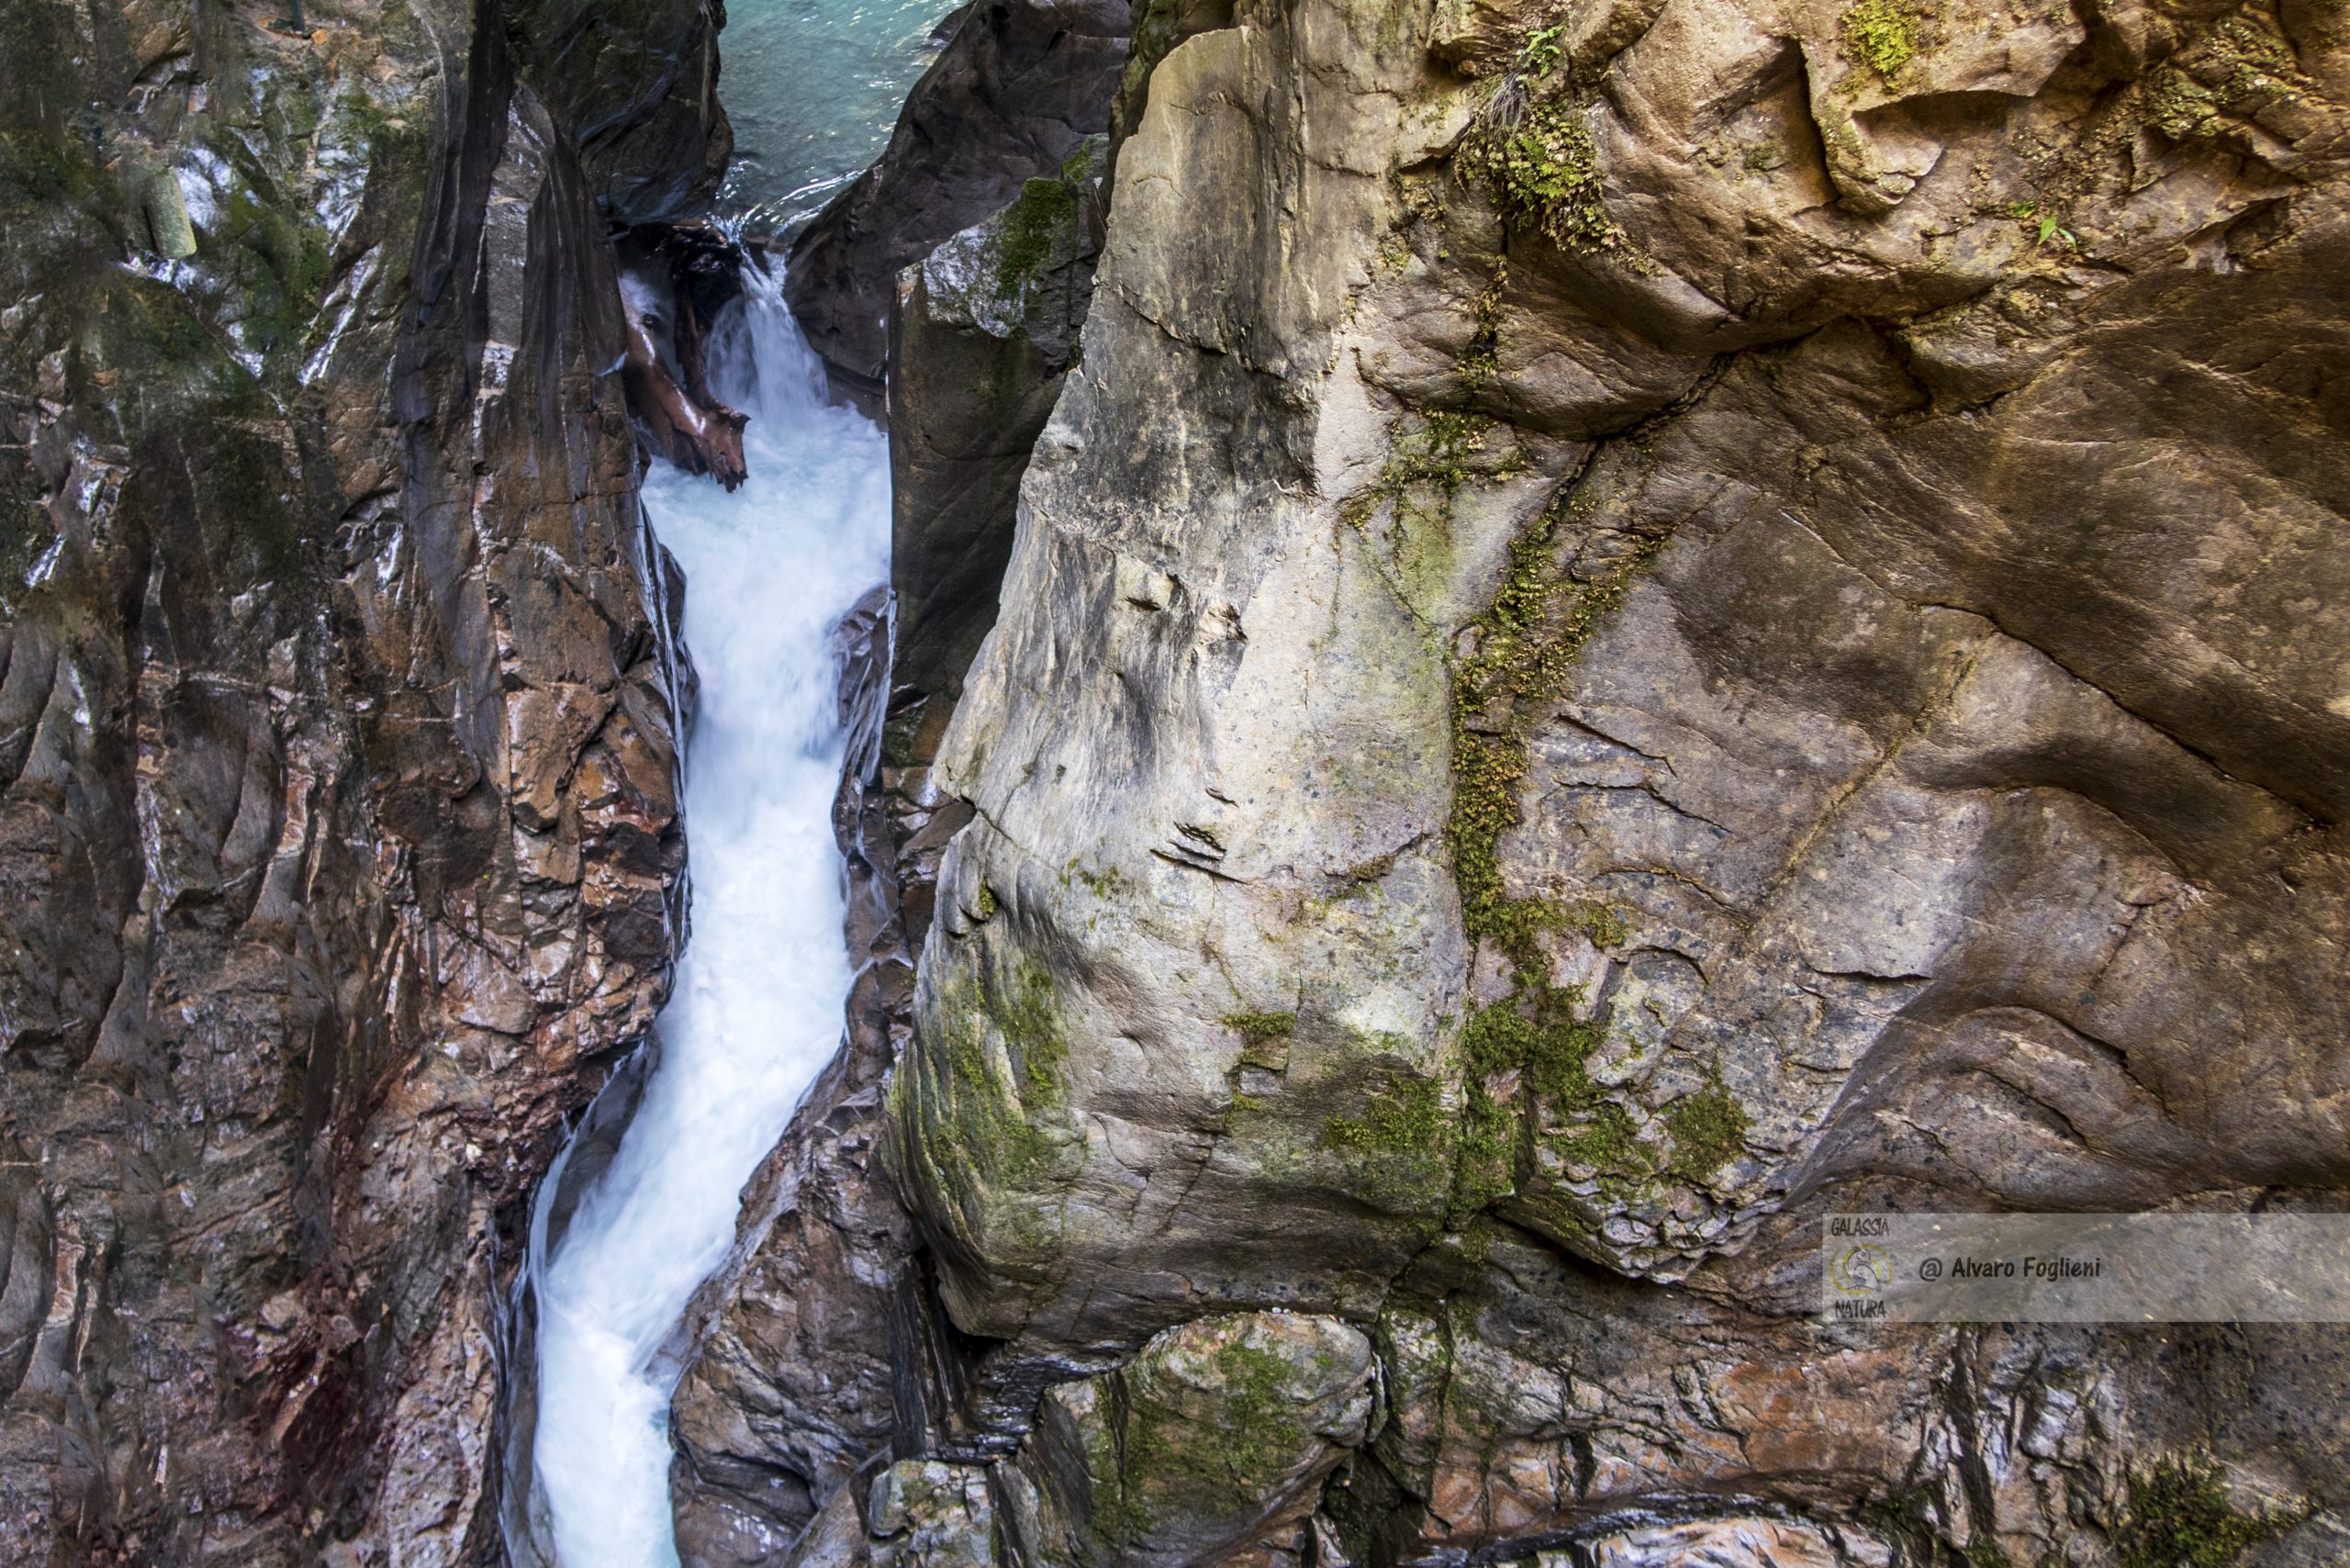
x,y
813,87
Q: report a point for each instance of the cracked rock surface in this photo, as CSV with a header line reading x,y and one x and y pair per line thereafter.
x,y
1637,622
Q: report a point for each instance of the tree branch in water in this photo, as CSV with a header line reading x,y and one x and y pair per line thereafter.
x,y
700,435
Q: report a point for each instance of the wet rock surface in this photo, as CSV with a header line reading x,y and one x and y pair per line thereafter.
x,y
341,715
637,83
681,275
790,1387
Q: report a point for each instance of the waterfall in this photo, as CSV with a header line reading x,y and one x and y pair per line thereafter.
x,y
757,1011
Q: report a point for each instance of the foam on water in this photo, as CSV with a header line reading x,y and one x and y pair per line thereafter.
x,y
757,1011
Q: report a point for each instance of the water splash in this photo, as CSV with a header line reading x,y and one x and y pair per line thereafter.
x,y
757,1011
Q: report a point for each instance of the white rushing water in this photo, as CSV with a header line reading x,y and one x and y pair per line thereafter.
x,y
757,1011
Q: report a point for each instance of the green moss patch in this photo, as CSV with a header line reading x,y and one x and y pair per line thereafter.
x,y
1708,1131
1261,1028
1535,1033
1264,1039
1160,1456
1881,35
1025,233
2178,106
2242,64
1542,171
1425,470
994,1117
1522,649
2179,1517
1025,237
1406,1117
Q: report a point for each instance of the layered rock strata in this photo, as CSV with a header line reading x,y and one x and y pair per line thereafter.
x,y
340,713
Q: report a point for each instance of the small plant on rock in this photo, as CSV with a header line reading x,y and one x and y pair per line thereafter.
x,y
1541,55
1543,173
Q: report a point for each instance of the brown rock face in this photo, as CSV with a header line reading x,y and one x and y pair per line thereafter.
x,y
1017,87
340,725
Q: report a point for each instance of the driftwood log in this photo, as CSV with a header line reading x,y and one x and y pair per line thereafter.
x,y
679,416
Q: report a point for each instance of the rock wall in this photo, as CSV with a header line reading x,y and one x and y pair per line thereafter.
x,y
1635,622
981,332
636,83
1019,85
340,714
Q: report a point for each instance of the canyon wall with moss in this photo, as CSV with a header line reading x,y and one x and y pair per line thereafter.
x,y
340,715
1637,621
1536,643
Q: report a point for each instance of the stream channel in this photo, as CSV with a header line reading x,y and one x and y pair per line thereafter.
x,y
813,86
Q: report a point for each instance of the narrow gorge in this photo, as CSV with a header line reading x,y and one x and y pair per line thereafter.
x,y
1165,786
759,990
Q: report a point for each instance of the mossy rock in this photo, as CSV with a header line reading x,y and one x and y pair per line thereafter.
x,y
2179,1516
1881,35
1215,1430
1539,165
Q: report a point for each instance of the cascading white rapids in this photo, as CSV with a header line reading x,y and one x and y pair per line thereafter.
x,y
757,1011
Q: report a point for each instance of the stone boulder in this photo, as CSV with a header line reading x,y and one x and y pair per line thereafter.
x,y
1633,626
